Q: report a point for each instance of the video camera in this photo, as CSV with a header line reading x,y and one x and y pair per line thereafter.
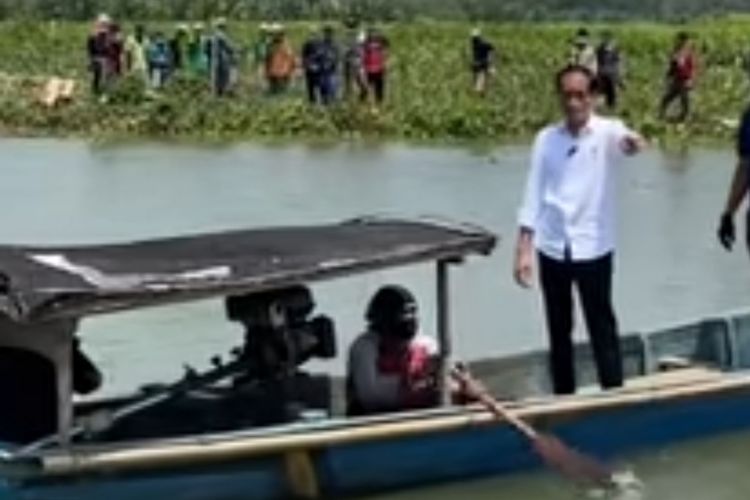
x,y
281,333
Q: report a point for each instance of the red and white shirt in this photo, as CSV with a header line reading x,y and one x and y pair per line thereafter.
x,y
380,375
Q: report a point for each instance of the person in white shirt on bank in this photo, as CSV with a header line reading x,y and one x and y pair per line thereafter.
x,y
567,223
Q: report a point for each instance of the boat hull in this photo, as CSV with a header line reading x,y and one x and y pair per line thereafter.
x,y
400,453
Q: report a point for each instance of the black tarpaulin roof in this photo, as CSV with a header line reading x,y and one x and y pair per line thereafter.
x,y
43,283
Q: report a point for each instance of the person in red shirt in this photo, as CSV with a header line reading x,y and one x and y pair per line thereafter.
x,y
375,64
680,78
115,51
97,48
392,366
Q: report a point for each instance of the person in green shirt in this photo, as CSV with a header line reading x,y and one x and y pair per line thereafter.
x,y
197,51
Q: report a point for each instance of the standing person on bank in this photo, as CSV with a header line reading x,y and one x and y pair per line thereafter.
x,y
609,65
482,54
738,189
567,222
98,50
330,57
135,53
681,73
582,52
375,62
222,58
312,65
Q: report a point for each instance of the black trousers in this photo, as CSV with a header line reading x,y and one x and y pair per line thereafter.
x,y
376,83
98,76
607,86
593,279
314,91
676,91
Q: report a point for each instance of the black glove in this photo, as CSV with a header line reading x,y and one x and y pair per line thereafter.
x,y
727,233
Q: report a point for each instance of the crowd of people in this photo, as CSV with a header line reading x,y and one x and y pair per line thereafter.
x,y
605,61
353,66
156,57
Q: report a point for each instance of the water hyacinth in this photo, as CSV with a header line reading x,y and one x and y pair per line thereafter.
x,y
429,86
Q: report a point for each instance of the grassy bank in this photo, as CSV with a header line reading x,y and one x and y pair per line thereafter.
x,y
429,98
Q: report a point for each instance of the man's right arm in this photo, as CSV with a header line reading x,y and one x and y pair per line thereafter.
x,y
737,191
523,269
739,186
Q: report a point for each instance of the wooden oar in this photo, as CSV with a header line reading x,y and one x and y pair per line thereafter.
x,y
553,452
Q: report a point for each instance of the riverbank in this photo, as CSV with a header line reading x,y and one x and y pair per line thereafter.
x,y
430,98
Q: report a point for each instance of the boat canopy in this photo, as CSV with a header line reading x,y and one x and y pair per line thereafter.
x,y
40,284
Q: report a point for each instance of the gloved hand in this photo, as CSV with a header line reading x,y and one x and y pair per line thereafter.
x,y
727,233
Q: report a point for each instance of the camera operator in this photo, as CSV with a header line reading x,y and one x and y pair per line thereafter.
x,y
392,366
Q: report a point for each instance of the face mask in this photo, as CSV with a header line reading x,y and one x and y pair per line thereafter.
x,y
405,329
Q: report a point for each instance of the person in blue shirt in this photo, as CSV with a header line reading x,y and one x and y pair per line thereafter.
x,y
159,60
222,58
312,64
330,58
738,189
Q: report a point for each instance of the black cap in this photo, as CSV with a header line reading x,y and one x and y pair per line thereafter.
x,y
390,303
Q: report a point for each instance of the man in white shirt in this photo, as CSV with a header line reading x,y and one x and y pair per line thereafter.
x,y
568,219
392,367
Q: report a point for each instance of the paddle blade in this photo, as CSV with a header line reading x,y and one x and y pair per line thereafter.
x,y
571,463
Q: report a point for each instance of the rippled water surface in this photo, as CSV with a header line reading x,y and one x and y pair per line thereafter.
x,y
669,267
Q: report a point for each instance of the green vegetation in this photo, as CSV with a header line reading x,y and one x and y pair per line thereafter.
x,y
393,10
430,96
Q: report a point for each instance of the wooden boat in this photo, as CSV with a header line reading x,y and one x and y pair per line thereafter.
x,y
107,450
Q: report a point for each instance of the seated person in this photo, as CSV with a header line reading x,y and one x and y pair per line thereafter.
x,y
392,366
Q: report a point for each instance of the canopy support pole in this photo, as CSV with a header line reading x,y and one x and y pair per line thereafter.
x,y
444,330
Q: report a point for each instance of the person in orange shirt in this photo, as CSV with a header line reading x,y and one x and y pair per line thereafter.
x,y
281,63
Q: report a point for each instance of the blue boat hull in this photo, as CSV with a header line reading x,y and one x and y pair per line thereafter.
x,y
388,464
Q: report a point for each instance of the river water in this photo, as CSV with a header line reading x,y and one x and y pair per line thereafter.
x,y
714,469
669,266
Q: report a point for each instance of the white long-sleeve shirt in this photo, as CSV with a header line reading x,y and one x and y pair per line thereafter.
x,y
570,196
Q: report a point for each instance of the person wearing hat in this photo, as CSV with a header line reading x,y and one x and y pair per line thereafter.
x,y
354,77
392,366
135,52
98,50
583,52
482,53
